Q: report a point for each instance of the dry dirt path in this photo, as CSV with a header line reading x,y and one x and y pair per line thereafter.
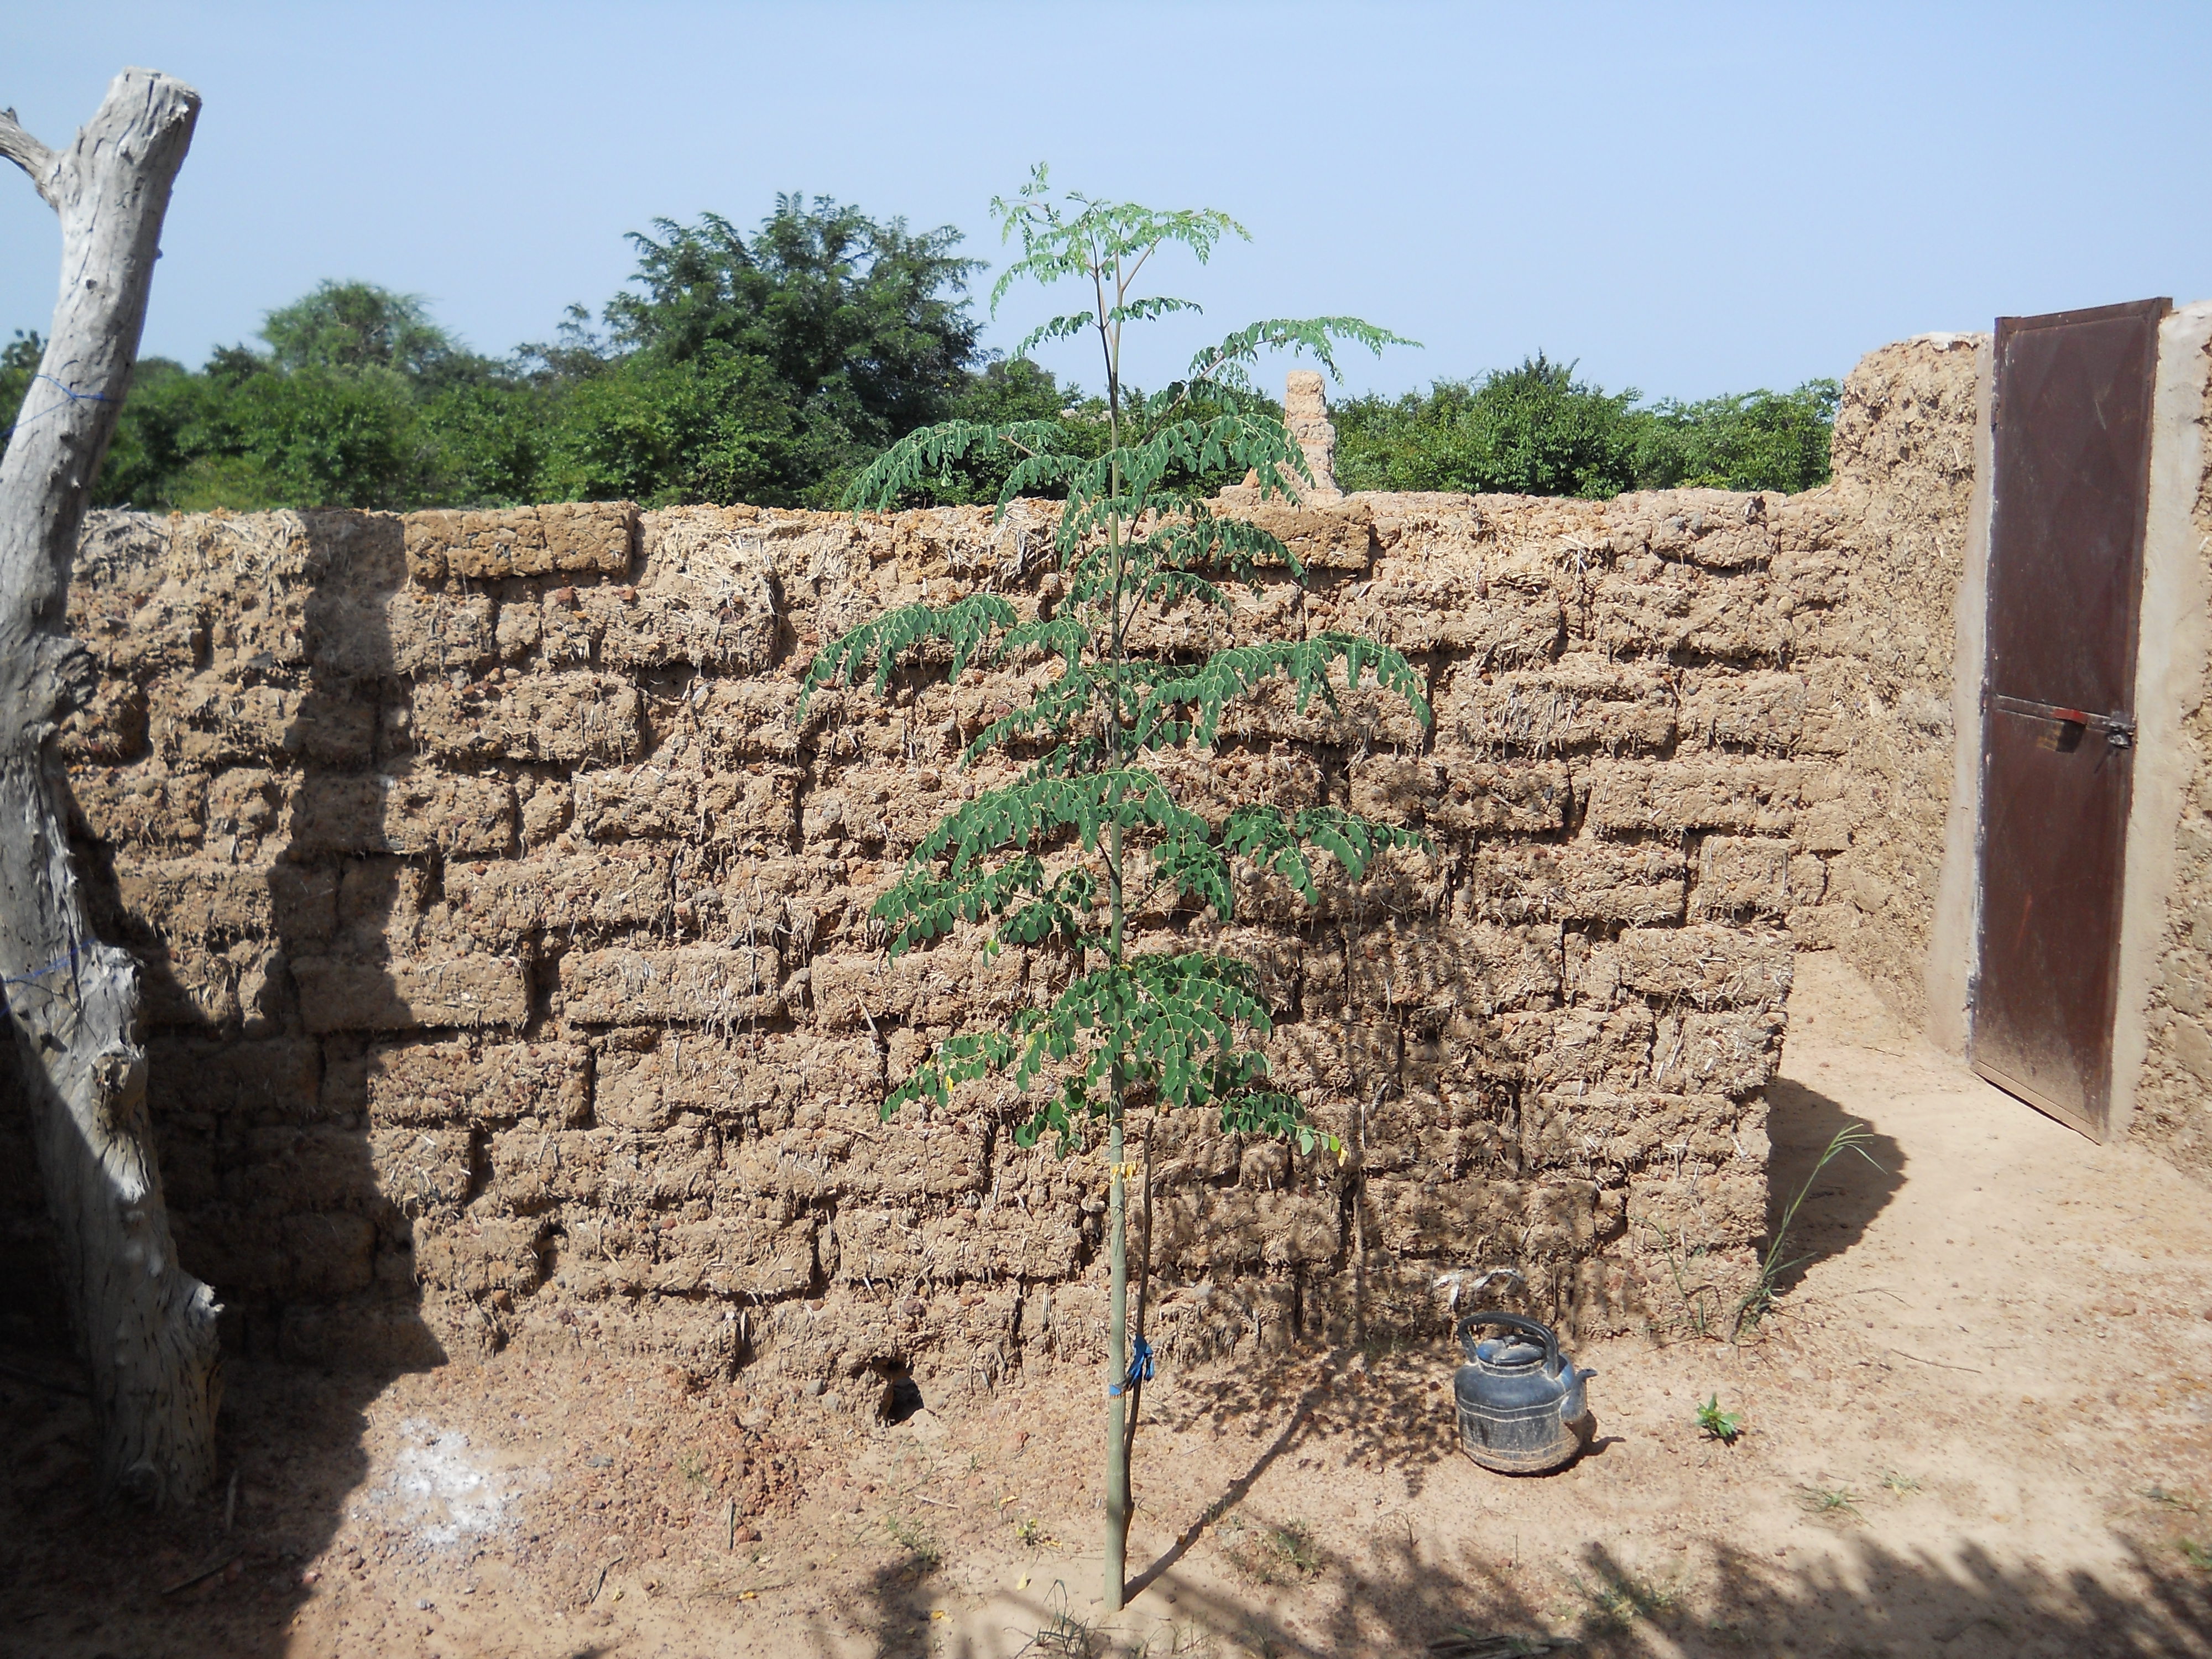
x,y
1980,1423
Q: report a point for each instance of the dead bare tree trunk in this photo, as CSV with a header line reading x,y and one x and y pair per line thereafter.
x,y
147,1326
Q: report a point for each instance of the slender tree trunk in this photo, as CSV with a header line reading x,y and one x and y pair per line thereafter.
x,y
1117,1373
148,1328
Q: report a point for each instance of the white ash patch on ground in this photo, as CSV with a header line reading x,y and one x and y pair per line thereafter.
x,y
440,1490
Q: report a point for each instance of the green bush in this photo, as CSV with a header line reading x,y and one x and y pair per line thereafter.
x,y
1537,430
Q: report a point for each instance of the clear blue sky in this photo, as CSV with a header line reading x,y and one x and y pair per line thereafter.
x,y
1686,199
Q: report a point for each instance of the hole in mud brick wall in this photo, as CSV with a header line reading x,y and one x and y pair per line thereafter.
x,y
901,1396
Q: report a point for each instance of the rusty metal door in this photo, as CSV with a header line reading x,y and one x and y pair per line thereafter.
x,y
2072,422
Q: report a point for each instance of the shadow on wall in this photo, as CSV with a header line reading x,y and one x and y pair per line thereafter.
x,y
223,784
1843,1198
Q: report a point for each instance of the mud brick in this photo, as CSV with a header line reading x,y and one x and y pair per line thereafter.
x,y
189,987
1706,966
1583,1045
276,1079
327,1254
1194,628
747,719
731,633
144,805
579,539
1581,702
198,901
212,719
636,802
883,810
1211,1228
303,1166
1367,715
379,632
853,1153
1647,607
1487,1221
1761,797
704,984
499,902
736,1078
1213,782
1338,537
418,812
1732,1051
1457,610
1782,713
1742,875
419,1172
1453,793
1583,880
340,993
1715,1210
563,717
109,728
1825,827
996,1242
425,635
947,984
733,1256
1636,1130
476,1256
450,1084
1407,965
1721,530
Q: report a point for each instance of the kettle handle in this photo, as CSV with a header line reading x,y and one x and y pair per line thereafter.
x,y
1529,1328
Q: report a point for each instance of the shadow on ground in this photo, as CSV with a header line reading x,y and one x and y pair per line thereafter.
x,y
1399,1601
274,1190
1843,1198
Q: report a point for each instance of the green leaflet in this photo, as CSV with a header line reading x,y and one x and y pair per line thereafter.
x,y
1173,1022
873,648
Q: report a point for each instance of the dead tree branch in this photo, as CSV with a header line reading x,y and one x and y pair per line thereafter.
x,y
148,1328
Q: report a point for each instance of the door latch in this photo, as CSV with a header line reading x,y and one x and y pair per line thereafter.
x,y
2119,731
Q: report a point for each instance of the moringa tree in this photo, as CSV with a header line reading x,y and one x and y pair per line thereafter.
x,y
147,1326
1087,833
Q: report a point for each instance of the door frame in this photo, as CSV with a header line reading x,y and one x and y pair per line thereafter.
x,y
2174,653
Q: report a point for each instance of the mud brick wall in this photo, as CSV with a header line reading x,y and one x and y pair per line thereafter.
x,y
509,977
1892,529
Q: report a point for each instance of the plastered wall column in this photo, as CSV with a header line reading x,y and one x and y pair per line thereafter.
x,y
2160,1025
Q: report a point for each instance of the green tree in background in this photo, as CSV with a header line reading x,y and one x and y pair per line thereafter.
x,y
1537,430
1534,430
1743,440
768,368
1087,835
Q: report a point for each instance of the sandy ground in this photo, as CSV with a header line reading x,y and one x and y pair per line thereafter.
x,y
1979,1423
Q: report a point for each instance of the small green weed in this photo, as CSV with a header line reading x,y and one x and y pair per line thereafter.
x,y
1756,1302
1064,1635
2174,1500
1900,1484
1727,1427
1832,1503
1278,1555
1621,1599
2198,1555
693,1467
924,1552
1030,1533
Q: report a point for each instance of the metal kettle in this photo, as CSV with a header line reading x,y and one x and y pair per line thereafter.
x,y
1522,1408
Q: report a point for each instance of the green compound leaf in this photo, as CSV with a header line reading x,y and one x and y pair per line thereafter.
x,y
874,648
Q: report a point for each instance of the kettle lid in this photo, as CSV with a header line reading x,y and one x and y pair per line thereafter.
x,y
1507,1351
